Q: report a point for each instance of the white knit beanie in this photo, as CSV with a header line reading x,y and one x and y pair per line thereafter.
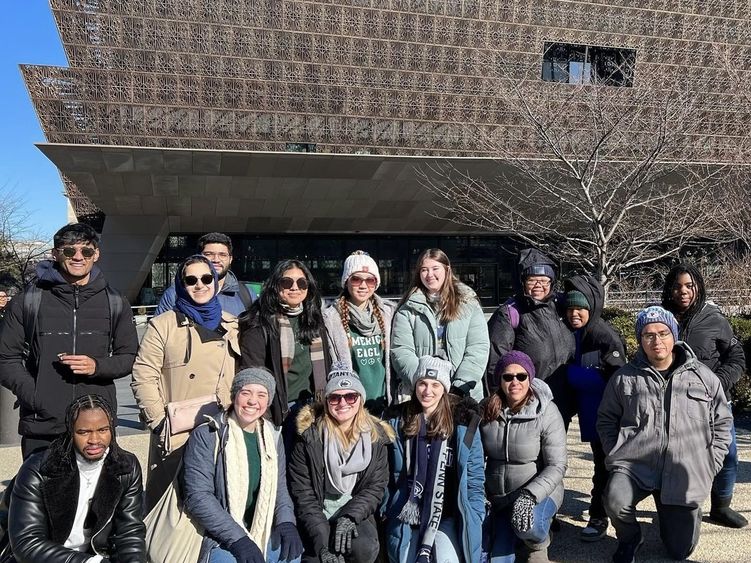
x,y
360,261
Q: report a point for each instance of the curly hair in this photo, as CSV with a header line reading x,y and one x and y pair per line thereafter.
x,y
268,306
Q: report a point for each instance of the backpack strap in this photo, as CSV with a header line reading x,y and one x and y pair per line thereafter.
x,y
513,312
246,294
115,303
32,300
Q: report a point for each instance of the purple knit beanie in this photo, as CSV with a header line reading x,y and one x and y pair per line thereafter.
x,y
518,358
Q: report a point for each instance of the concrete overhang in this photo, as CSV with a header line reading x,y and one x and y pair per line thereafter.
x,y
261,192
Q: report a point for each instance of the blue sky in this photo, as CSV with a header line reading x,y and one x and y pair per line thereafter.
x,y
29,36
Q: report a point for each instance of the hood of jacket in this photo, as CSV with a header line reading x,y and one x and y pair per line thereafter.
x,y
418,299
592,290
684,357
310,415
231,285
532,257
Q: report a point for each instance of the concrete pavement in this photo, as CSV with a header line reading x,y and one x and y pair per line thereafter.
x,y
717,544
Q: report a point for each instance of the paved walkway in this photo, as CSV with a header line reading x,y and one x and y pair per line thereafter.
x,y
717,544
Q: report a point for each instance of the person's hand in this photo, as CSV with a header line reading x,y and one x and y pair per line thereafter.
x,y
327,557
346,530
523,516
78,364
289,540
246,551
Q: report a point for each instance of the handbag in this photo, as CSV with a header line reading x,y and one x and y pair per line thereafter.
x,y
171,535
184,416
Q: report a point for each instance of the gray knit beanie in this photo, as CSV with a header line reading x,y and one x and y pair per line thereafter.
x,y
655,314
258,375
342,378
431,367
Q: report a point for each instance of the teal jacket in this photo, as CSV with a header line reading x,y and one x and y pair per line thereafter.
x,y
415,334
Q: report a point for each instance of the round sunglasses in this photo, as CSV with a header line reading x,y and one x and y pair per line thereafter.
x,y
349,398
288,283
70,251
357,281
206,279
509,377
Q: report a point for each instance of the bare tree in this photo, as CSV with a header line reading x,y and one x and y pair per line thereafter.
x,y
609,177
21,244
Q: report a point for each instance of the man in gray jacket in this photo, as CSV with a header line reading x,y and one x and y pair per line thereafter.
x,y
664,424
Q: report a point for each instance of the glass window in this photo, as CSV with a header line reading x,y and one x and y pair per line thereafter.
x,y
588,64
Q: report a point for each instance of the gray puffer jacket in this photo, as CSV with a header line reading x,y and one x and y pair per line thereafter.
x,y
513,444
669,435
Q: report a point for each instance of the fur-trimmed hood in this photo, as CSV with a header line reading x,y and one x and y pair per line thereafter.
x,y
310,415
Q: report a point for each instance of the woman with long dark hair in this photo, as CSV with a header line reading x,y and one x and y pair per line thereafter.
x,y
338,473
358,324
436,500
284,331
709,334
525,443
187,354
440,316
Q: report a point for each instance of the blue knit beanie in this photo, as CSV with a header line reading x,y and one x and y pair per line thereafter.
x,y
655,314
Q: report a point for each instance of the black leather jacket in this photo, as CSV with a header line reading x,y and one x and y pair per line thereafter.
x,y
43,505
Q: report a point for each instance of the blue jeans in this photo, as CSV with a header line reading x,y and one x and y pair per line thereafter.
x,y
504,537
219,555
448,547
724,482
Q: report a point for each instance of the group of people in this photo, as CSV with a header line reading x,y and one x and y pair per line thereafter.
x,y
285,430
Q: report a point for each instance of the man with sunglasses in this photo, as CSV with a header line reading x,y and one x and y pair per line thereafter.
x,y
664,424
234,296
67,335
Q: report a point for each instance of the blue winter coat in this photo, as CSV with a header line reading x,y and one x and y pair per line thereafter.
x,y
471,485
204,485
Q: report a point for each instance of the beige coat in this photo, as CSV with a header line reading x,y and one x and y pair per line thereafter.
x,y
174,365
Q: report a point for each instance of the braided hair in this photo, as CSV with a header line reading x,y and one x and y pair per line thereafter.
x,y
342,306
667,291
62,451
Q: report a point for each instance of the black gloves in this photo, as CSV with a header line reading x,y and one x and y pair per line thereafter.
x,y
327,557
289,540
523,516
246,551
345,531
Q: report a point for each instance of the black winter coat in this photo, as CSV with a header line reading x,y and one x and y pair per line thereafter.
x,y
43,506
306,475
73,320
711,337
258,348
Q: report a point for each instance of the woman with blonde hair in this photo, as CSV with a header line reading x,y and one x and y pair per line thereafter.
x,y
338,473
440,316
436,503
358,324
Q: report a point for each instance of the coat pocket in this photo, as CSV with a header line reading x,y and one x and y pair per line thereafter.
x,y
698,402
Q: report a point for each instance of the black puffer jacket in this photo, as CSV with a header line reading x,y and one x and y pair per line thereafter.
x,y
43,506
73,320
541,332
602,347
711,337
306,474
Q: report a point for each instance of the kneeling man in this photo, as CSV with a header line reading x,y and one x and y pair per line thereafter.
x,y
664,424
81,500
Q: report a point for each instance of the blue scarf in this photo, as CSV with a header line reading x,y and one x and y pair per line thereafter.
x,y
208,315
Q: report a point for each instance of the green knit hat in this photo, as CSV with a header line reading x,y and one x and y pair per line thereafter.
x,y
576,299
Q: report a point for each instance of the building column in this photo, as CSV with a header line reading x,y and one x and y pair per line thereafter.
x,y
129,246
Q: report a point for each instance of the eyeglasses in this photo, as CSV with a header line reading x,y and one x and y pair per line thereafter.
x,y
357,281
206,279
652,337
288,283
533,282
212,255
70,251
509,377
349,398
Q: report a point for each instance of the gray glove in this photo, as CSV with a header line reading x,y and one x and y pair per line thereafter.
x,y
523,516
345,531
327,557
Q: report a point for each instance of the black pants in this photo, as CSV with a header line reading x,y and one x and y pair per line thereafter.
x,y
599,482
365,546
33,444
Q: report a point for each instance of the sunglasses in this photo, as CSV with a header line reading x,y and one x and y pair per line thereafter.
x,y
509,377
206,279
349,398
70,251
288,283
357,281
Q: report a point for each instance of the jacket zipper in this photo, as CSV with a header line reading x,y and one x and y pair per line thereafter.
x,y
93,536
75,316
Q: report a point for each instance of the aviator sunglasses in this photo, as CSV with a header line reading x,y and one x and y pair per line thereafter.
x,y
349,398
70,251
287,283
206,279
509,377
